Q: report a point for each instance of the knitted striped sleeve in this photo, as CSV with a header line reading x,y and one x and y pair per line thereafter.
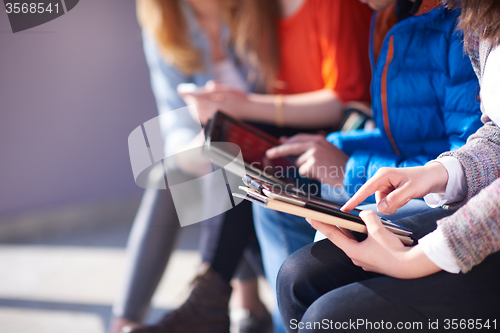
x,y
473,232
480,158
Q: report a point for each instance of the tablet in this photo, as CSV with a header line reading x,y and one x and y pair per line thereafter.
x,y
334,217
253,144
315,203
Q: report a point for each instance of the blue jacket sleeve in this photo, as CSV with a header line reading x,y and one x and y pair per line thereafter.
x,y
369,151
363,164
178,128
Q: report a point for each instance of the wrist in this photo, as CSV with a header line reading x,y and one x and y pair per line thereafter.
x,y
260,108
236,104
252,102
438,177
245,107
416,264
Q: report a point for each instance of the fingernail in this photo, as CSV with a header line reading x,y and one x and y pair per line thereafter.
x,y
382,206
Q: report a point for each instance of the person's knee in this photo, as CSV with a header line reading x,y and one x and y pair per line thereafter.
x,y
333,312
301,277
290,289
294,288
289,277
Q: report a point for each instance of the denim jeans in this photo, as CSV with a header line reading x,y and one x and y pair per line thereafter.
x,y
320,284
282,234
300,283
279,235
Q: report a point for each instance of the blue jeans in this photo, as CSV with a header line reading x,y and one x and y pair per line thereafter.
x,y
319,283
282,234
279,236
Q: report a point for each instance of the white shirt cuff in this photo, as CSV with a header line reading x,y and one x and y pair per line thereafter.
x,y
435,248
456,188
490,85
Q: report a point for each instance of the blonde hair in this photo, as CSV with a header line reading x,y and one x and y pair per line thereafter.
x,y
253,25
257,41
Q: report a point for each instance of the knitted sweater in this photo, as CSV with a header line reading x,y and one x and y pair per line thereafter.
x,y
473,232
480,158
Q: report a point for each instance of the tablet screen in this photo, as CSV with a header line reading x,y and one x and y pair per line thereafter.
x,y
253,144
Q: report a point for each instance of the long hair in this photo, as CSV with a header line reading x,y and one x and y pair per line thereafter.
x,y
256,39
165,20
253,25
479,18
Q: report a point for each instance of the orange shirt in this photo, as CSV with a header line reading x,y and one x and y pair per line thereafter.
x,y
324,45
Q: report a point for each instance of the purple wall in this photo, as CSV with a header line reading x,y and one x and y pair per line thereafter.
x,y
71,91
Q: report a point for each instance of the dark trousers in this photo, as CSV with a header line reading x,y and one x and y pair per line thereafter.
x,y
152,239
225,241
319,285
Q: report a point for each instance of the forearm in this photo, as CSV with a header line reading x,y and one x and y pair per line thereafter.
x,y
381,251
473,232
479,158
455,188
317,109
414,264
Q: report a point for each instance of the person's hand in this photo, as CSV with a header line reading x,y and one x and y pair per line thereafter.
x,y
318,158
394,187
215,96
381,252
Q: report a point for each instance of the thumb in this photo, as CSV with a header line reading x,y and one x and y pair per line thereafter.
x,y
184,94
390,203
382,206
373,224
210,85
214,86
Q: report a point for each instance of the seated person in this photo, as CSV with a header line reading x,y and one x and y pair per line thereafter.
x,y
423,103
412,286
338,71
320,48
188,45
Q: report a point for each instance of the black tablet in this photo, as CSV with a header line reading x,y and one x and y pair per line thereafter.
x,y
253,144
315,203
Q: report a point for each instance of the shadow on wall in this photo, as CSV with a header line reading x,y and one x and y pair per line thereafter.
x,y
71,91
